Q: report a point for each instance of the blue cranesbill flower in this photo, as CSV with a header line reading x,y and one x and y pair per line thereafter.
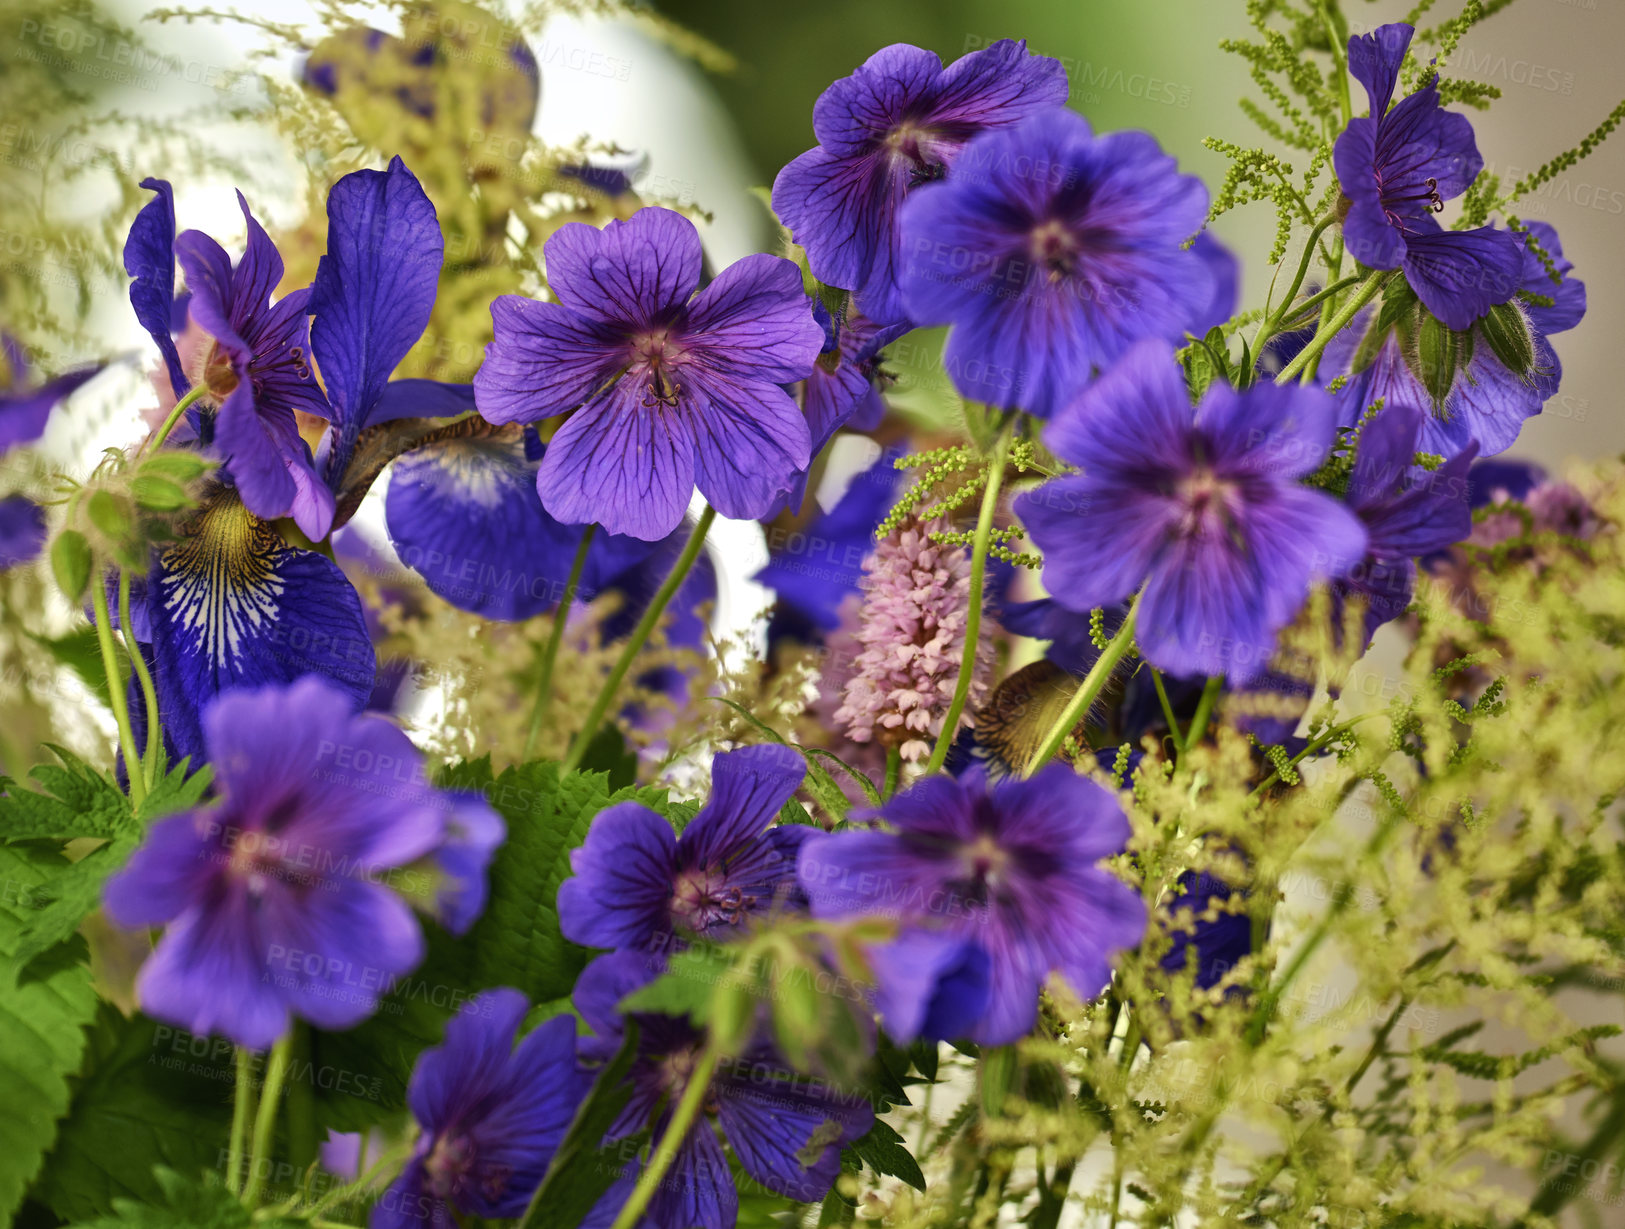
x,y
256,369
1204,510
786,1130
1397,168
1482,398
669,392
1009,867
1050,251
1214,945
637,884
1407,511
277,897
899,121
491,1116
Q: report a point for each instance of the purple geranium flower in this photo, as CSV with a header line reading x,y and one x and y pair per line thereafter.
x,y
897,122
668,393
1051,251
274,896
1215,946
1486,401
1009,867
1397,168
256,369
23,411
786,1130
636,884
1407,511
1205,511
843,388
491,1116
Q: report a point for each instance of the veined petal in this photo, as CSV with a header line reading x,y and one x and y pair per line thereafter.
x,y
271,464
374,291
749,441
232,605
1460,274
620,893
149,258
1375,59
545,360
464,514
755,323
257,275
634,272
626,465
209,279
748,786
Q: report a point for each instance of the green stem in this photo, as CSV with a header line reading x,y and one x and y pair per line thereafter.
x,y
682,1119
1319,298
1094,682
894,770
149,757
550,654
1330,328
1168,711
640,633
1338,60
259,1155
241,1107
181,406
115,690
1270,325
1204,710
973,613
301,1112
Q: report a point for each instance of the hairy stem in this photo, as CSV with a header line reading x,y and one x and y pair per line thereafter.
x,y
181,406
1091,687
973,613
635,642
149,757
259,1154
1330,328
550,653
682,1120
115,691
242,1107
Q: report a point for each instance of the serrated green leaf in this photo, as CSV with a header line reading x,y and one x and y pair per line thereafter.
x,y
183,1204
62,903
77,801
146,1099
883,1150
581,1171
42,1028
176,791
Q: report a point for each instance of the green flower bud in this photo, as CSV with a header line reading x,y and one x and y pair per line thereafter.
x,y
70,564
159,494
1506,331
111,514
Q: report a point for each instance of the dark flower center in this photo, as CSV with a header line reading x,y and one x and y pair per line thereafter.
x,y
219,372
659,356
1393,203
1206,501
448,1164
674,1069
255,859
1054,248
703,898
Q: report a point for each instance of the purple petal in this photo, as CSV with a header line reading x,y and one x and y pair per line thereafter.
x,y
464,514
258,273
771,1117
698,1190
169,872
23,416
748,786
473,833
149,258
451,1078
271,464
627,466
421,399
632,273
1368,234
208,975
754,323
209,280
1459,275
22,530
620,893
1273,430
1138,410
749,441
1375,60
929,984
1099,539
373,292
545,360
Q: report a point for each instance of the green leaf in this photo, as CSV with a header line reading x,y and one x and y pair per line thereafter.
x,y
150,1095
78,802
42,1028
687,988
608,753
883,1150
59,905
183,1204
175,791
581,1171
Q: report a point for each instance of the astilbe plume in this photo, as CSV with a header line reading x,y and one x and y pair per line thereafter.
x,y
916,591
